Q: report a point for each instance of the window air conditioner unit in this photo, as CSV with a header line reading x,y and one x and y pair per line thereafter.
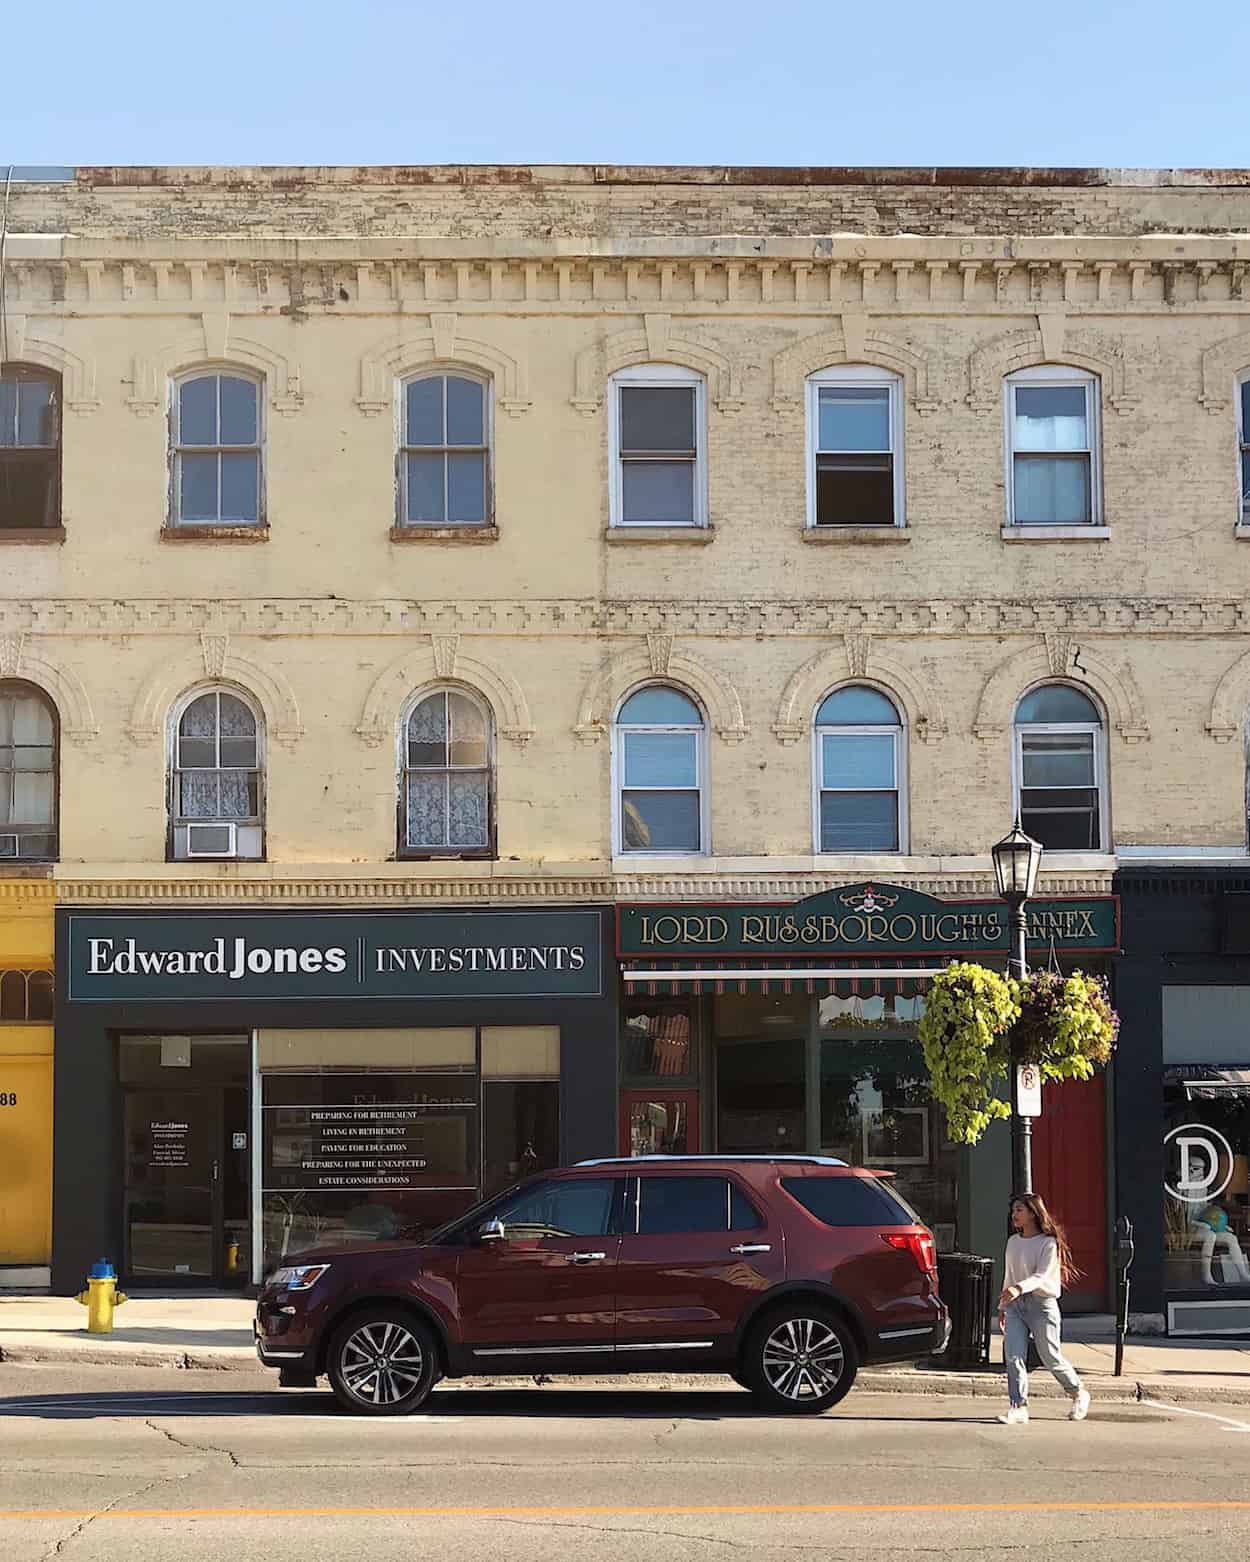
x,y
8,845
212,840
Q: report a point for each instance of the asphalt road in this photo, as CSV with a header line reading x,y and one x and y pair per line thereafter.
x,y
137,1465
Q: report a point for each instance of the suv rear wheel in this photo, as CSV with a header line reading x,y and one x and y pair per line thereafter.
x,y
382,1362
799,1359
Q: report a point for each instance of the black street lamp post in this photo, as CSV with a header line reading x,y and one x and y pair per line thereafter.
x,y
1017,858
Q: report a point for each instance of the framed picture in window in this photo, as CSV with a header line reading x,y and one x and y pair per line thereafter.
x,y
896,1136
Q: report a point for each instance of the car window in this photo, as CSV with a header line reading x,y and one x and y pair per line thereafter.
x,y
849,1201
671,1204
581,1208
743,1215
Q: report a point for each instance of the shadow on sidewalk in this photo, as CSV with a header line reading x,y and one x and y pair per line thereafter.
x,y
460,1404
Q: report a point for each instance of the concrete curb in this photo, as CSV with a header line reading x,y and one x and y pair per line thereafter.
x,y
904,1380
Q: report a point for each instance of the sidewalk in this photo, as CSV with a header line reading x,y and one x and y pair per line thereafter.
x,y
215,1333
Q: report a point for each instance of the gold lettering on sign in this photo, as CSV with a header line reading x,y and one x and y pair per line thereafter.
x,y
847,935
752,930
896,928
948,938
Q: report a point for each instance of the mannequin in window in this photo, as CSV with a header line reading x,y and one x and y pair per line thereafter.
x,y
1211,1230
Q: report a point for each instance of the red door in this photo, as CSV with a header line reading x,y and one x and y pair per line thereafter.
x,y
548,1283
1070,1172
659,1122
696,1252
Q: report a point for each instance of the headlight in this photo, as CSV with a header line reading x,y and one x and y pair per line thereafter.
x,y
299,1277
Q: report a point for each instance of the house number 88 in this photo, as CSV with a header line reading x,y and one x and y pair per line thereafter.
x,y
8,1097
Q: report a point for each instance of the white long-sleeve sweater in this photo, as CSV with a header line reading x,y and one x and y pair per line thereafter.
x,y
1033,1265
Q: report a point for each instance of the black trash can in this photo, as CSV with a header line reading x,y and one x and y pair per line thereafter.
x,y
965,1284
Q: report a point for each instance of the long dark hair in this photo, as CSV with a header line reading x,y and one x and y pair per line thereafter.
x,y
1049,1227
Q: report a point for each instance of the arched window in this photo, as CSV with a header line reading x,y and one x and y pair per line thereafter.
x,y
1052,447
28,774
855,447
1060,769
657,435
216,438
1243,442
444,456
30,449
661,761
216,777
859,772
446,798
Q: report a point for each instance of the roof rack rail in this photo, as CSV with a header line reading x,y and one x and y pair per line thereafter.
x,y
770,1160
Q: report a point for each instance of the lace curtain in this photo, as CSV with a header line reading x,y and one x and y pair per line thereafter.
x,y
218,772
448,779
27,765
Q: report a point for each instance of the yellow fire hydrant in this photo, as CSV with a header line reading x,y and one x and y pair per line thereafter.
x,y
101,1297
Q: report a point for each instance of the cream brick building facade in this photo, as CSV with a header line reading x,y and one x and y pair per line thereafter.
x,y
330,289
333,285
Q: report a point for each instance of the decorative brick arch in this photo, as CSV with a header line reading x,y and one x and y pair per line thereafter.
x,y
1113,687
78,375
653,344
391,360
63,687
216,663
215,346
852,661
659,662
443,662
1050,343
1221,364
1226,718
854,341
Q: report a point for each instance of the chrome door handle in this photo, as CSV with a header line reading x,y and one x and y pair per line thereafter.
x,y
586,1258
752,1247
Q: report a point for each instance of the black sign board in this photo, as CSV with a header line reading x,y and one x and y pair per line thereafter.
x,y
421,954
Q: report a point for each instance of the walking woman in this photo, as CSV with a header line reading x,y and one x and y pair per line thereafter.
x,y
1039,1264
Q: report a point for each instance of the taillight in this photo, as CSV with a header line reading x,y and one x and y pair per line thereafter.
x,y
919,1244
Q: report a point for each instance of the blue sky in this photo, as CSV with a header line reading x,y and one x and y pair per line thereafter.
x,y
688,81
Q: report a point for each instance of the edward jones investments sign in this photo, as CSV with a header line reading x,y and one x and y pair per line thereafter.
x,y
422,954
863,919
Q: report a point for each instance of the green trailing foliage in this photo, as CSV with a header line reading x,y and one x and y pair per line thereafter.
x,y
974,1018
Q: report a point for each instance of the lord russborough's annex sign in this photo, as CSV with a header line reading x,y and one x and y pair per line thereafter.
x,y
862,919
420,954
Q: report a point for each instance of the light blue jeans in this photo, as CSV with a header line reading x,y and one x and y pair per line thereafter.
x,y
1038,1316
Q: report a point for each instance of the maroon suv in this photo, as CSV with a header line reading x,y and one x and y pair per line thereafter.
x,y
785,1272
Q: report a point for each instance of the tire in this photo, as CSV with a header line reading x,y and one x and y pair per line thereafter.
x,y
800,1359
382,1362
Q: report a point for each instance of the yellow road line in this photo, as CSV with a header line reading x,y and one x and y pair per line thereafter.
x,y
615,1511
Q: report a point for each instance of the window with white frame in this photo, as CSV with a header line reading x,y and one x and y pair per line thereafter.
x,y
444,456
28,774
657,435
1060,769
854,448
1052,447
660,758
859,772
445,799
1243,441
216,438
216,777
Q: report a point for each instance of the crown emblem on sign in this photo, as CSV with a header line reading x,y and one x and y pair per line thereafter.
x,y
868,899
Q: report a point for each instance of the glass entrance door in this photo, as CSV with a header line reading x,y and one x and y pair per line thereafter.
x,y
761,1074
659,1122
173,1184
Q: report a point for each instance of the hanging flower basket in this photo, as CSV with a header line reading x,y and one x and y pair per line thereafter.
x,y
976,1020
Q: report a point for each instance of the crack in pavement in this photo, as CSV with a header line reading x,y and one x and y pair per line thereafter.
x,y
198,1448
59,1546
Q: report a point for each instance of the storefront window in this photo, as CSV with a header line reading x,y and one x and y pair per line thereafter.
x,y
1206,1194
875,1105
659,1040
761,1073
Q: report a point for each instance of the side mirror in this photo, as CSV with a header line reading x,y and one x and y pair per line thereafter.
x,y
492,1231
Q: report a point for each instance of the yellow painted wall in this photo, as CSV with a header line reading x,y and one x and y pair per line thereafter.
x,y
26,943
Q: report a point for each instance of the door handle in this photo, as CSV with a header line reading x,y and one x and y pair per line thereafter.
x,y
752,1247
586,1258
216,1170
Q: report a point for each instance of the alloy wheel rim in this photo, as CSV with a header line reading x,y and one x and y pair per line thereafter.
x,y
803,1359
382,1363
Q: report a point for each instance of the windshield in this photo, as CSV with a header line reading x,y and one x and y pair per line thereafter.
x,y
476,1216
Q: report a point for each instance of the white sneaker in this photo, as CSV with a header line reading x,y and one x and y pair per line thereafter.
x,y
1018,1415
1080,1405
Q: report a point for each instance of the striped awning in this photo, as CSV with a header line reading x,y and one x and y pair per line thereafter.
x,y
853,979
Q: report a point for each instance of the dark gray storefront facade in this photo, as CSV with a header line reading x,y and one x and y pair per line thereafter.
x,y
234,1087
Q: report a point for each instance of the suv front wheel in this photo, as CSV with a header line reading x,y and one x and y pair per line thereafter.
x,y
799,1359
382,1362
